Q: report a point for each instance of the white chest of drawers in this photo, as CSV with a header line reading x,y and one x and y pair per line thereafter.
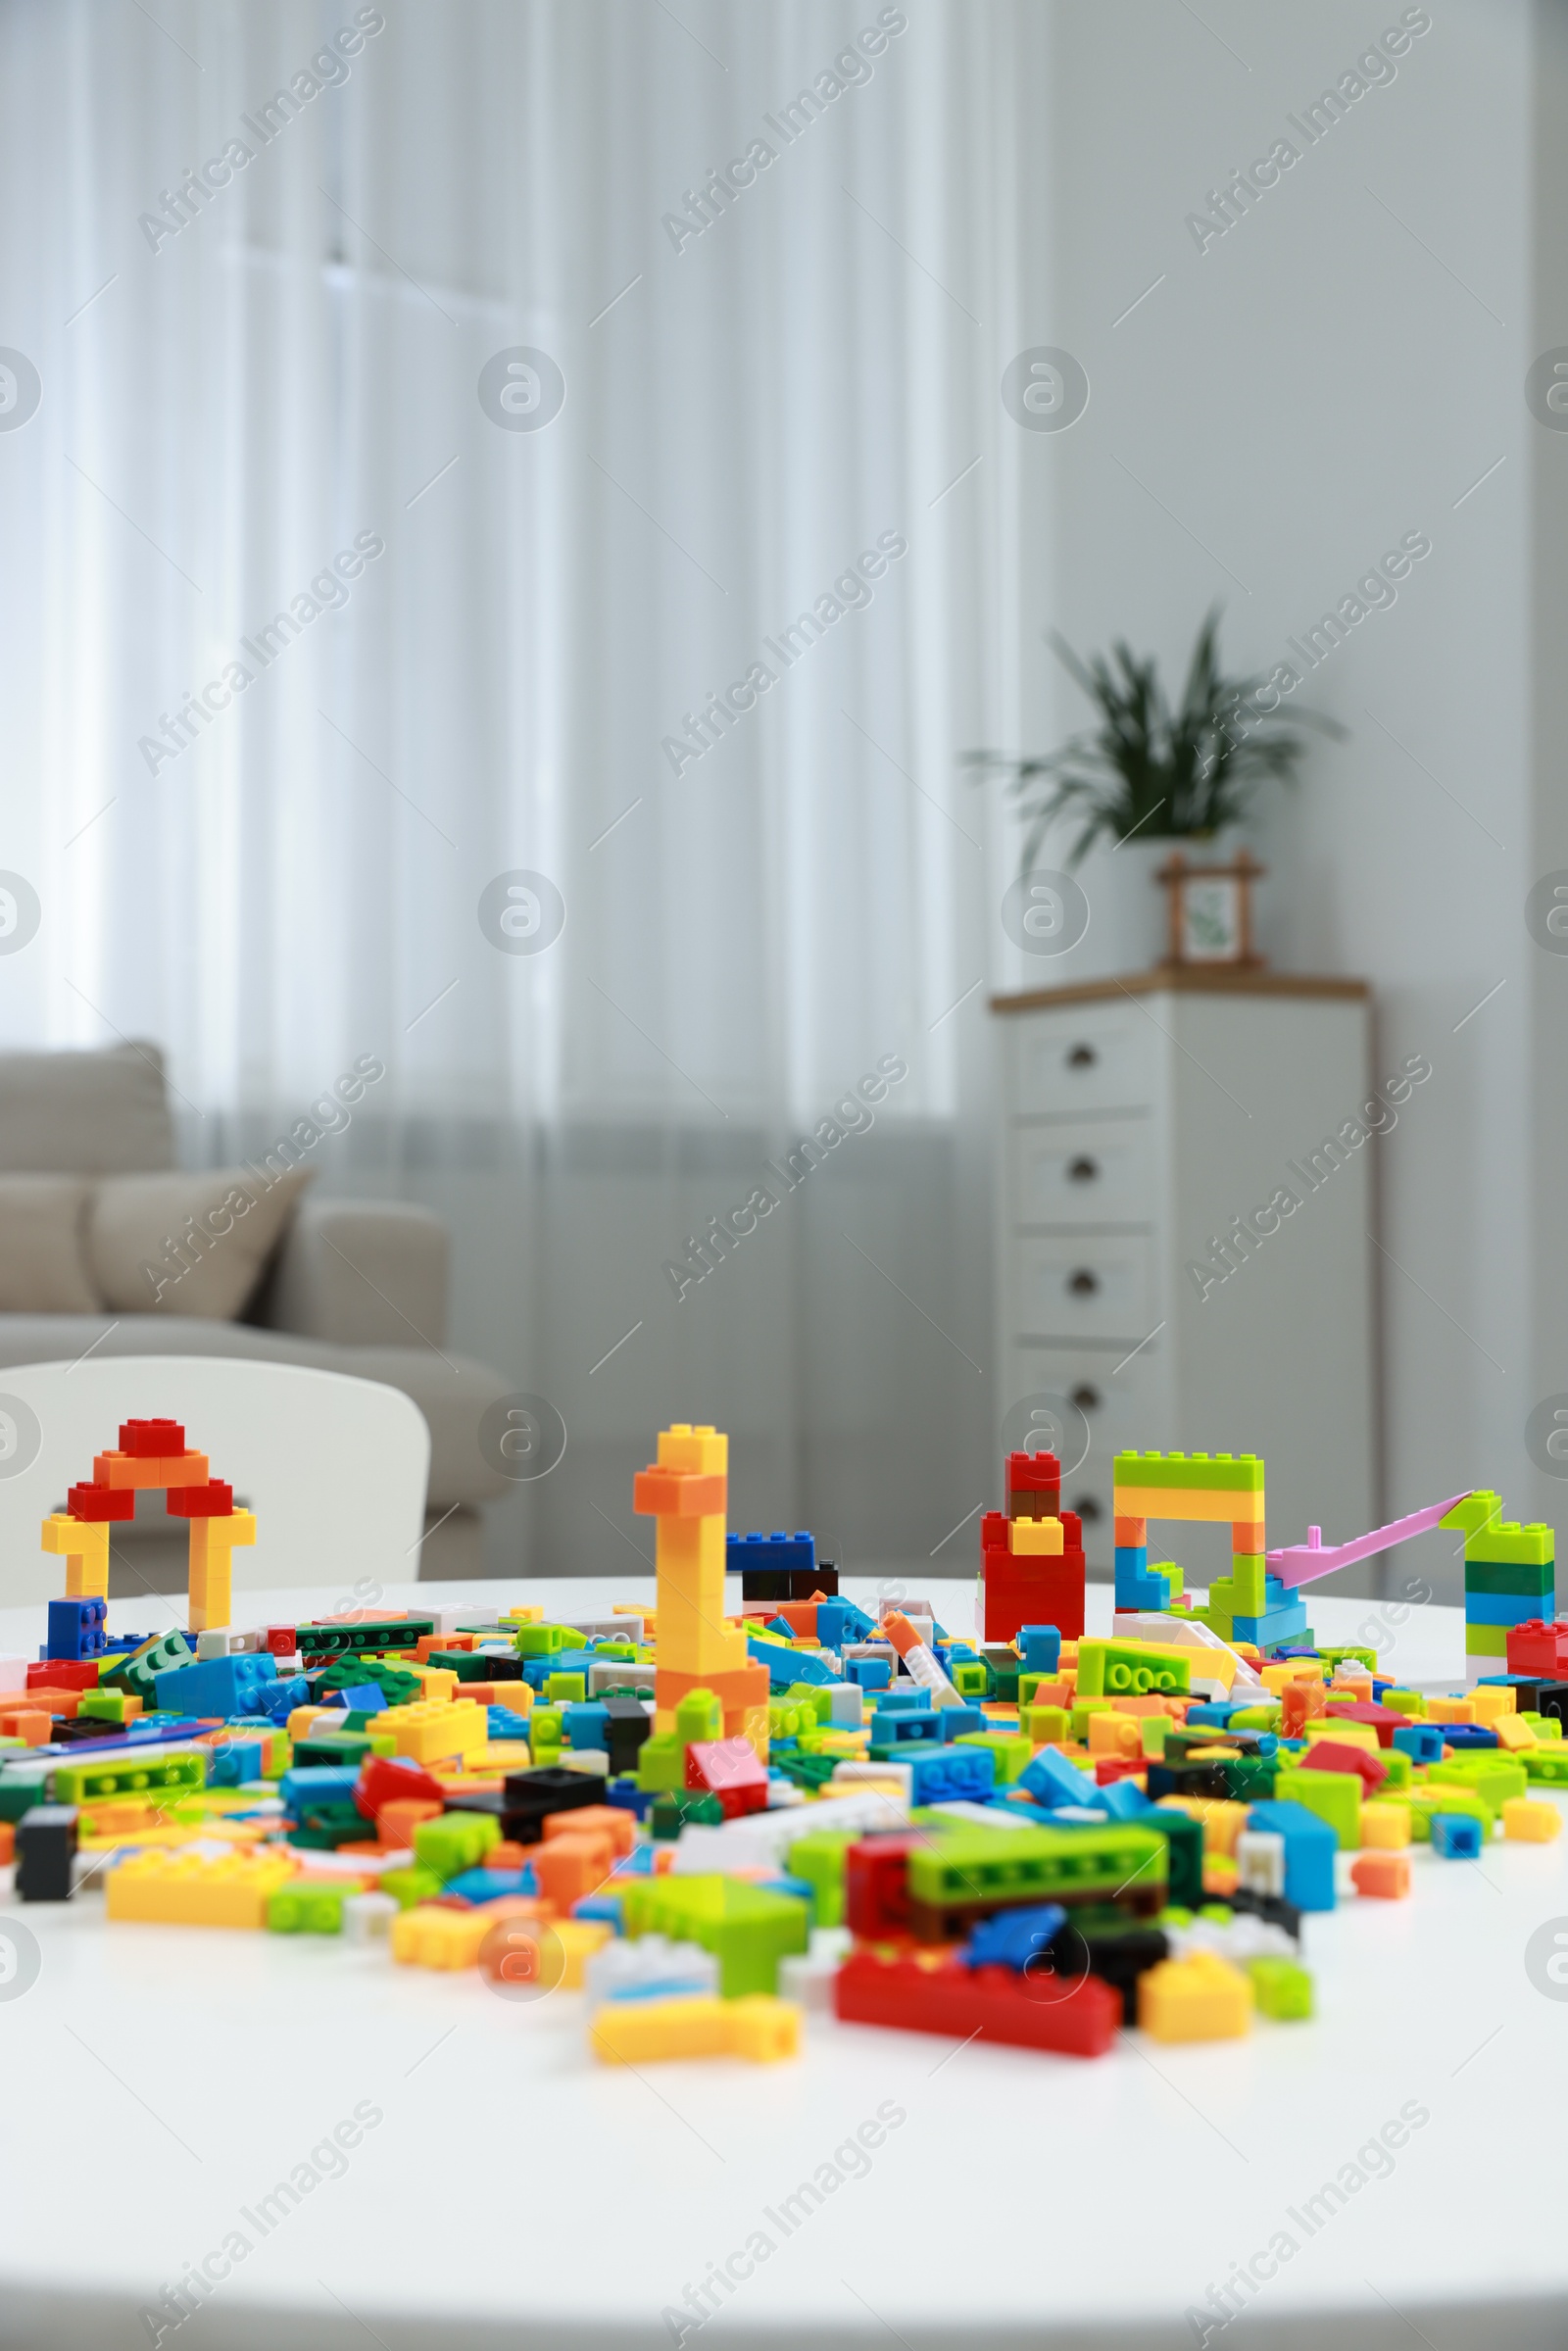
x,y
1144,1122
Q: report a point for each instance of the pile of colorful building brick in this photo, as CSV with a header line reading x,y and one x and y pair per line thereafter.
x,y
711,1822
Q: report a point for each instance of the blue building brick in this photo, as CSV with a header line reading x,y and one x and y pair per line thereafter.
x,y
1311,1846
76,1630
943,1775
221,1685
1052,1779
778,1552
1014,1937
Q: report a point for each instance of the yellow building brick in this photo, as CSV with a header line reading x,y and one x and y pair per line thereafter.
x,y
429,1729
640,2031
1200,1998
196,1889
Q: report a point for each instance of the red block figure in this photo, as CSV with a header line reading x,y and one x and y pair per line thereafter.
x,y
1032,1588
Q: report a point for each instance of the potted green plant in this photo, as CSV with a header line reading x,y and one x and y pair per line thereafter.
x,y
1151,774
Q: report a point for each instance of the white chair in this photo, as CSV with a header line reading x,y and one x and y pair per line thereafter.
x,y
334,1469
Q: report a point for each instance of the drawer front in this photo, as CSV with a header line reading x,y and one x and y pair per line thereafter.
x,y
1084,1171
1102,1058
1070,1393
1081,1286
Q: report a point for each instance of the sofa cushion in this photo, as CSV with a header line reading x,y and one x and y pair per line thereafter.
x,y
84,1113
187,1245
43,1269
453,1393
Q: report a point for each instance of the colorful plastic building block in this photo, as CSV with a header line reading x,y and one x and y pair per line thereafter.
x,y
1200,1997
642,2031
982,2003
196,1889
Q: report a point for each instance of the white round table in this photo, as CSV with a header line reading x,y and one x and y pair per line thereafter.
x,y
159,2083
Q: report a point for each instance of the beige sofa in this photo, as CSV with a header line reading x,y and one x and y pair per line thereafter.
x,y
352,1286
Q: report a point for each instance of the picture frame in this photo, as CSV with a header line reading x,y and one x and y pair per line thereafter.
x,y
1211,910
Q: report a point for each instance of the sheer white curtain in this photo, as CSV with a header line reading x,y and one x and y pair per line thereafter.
x,y
795,370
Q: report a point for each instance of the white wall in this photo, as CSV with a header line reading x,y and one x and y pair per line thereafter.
x,y
1319,381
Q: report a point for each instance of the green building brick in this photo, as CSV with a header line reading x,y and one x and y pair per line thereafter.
x,y
545,1641
104,1705
565,1689
151,1774
396,1683
748,1929
1003,1669
1507,1543
660,1763
1477,1510
1282,1990
818,1858
1496,1778
699,1716
1486,1640
676,1806
305,1910
1335,1796
1548,1765
1112,1669
1247,1595
138,1672
992,1869
454,1841
1424,1801
409,1888
813,1695
1510,1582
1224,1473
1011,1750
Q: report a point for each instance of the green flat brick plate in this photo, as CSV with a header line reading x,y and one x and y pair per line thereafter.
x,y
1238,1473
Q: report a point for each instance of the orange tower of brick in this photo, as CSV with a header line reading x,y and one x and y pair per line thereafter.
x,y
686,1492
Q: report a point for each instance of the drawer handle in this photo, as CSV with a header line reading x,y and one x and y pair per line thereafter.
x,y
1088,1509
1082,1056
1087,1399
1083,1283
1083,1169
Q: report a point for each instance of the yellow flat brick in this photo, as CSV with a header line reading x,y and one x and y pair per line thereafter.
x,y
1533,1824
1385,1824
1201,1999
196,1889
1207,1504
640,2031
1512,1734
426,1936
